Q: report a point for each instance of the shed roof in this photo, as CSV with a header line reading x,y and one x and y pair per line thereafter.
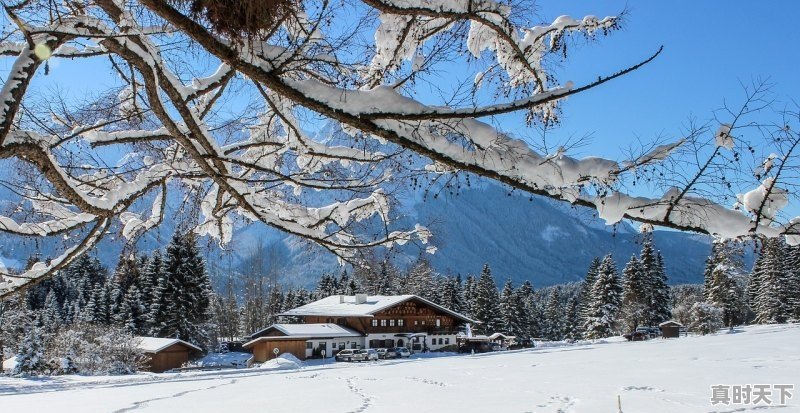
x,y
347,306
311,330
156,344
672,322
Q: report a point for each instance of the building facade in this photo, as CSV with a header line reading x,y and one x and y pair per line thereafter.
x,y
338,322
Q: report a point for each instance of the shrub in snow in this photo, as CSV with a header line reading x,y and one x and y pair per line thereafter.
x,y
705,318
97,350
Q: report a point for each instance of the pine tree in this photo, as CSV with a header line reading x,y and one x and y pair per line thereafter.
x,y
469,296
771,295
723,290
452,294
487,303
711,263
187,291
793,282
326,286
51,315
529,322
508,310
585,296
606,299
554,316
573,329
660,301
635,296
30,355
420,279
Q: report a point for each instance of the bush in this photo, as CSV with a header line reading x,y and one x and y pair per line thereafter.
x,y
97,350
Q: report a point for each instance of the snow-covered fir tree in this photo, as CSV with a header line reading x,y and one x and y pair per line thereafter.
x,y
554,317
792,284
187,292
660,299
724,287
486,303
573,329
771,301
30,354
636,296
585,297
606,298
529,318
509,310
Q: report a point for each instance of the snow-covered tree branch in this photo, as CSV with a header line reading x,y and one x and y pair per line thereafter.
x,y
232,128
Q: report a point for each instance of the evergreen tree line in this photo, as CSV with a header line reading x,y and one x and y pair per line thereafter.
x,y
769,294
165,294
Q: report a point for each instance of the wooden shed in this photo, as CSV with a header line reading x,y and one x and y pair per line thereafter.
x,y
670,329
166,353
264,347
301,340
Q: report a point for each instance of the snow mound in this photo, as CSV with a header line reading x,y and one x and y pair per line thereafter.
x,y
285,361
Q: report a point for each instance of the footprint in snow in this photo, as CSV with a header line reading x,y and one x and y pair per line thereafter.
x,y
641,388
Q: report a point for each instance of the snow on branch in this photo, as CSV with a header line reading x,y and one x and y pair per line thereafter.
x,y
241,137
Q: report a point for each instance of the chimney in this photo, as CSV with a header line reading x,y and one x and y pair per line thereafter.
x,y
341,298
361,298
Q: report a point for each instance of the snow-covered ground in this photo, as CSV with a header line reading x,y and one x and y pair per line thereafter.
x,y
654,376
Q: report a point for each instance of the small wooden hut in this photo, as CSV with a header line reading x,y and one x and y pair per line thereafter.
x,y
670,329
166,353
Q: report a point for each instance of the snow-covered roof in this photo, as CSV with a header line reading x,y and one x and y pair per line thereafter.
x,y
156,344
303,331
670,322
495,336
10,363
312,330
348,306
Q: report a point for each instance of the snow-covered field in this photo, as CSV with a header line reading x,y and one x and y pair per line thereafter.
x,y
655,376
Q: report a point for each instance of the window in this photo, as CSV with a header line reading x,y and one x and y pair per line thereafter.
x,y
423,322
400,322
438,322
441,341
374,323
383,323
309,345
391,323
446,341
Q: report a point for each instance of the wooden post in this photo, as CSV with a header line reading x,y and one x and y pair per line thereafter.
x,y
619,404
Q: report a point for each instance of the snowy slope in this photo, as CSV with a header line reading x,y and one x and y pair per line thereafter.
x,y
656,376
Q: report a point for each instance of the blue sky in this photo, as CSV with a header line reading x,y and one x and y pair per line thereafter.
x,y
709,48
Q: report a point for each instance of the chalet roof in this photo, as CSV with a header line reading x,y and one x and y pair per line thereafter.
x,y
347,306
311,330
156,344
303,332
668,322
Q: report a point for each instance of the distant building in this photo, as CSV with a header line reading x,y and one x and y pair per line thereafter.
x,y
360,321
166,353
670,329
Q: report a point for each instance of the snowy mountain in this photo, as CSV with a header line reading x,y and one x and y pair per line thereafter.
x,y
521,238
